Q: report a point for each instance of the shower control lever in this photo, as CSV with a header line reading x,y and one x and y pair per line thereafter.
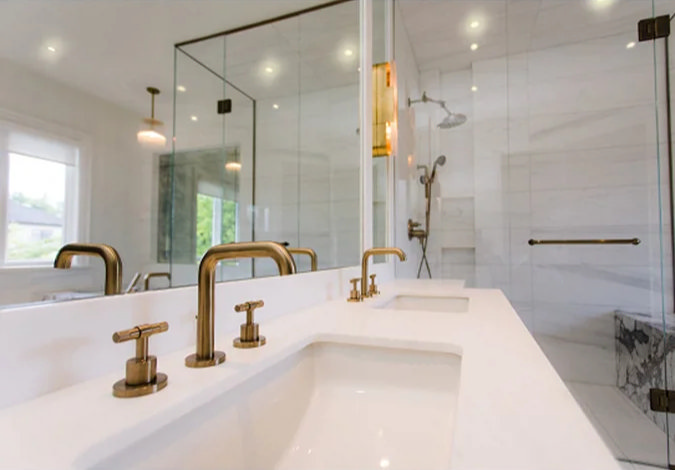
x,y
250,334
372,290
355,293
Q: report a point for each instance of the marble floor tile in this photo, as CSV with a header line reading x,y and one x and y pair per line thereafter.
x,y
625,429
579,362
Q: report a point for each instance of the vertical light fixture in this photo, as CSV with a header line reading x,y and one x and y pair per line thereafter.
x,y
384,108
150,136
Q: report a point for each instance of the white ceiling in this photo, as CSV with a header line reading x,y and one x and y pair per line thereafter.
x,y
116,48
441,37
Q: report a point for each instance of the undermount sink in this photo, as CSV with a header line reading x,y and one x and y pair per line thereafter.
x,y
328,406
428,303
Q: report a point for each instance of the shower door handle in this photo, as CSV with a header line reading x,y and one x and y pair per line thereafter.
x,y
595,241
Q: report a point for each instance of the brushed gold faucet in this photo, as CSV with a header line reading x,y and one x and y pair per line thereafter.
x,y
206,355
111,259
148,276
364,265
141,377
306,251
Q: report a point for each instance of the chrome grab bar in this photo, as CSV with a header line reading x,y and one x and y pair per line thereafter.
x,y
598,241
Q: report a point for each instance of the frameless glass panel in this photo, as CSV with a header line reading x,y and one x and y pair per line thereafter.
x,y
264,63
329,143
211,167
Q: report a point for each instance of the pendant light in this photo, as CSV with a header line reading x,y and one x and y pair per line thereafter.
x,y
150,136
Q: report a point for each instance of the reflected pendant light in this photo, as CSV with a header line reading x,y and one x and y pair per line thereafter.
x,y
150,136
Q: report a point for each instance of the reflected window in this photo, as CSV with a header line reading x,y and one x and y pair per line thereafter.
x,y
216,220
39,201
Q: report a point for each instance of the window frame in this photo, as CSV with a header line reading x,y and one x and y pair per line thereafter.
x,y
78,182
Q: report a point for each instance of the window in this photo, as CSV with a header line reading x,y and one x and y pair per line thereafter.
x,y
39,180
216,219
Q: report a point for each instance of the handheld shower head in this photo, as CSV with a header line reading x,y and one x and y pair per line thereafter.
x,y
439,161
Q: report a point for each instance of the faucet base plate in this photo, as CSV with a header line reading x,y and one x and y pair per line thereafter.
x,y
122,390
193,361
239,343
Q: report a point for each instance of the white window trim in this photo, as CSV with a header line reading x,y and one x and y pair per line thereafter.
x,y
82,193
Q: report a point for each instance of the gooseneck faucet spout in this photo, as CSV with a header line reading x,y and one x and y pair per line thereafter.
x,y
306,251
364,264
206,355
110,256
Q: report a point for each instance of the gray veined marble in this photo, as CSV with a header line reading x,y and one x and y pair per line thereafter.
x,y
643,354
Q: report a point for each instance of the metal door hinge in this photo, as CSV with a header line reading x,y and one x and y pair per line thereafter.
x,y
662,401
224,106
654,28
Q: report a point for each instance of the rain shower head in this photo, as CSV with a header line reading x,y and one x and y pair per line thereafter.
x,y
450,121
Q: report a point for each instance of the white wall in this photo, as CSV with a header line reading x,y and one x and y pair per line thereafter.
x,y
121,212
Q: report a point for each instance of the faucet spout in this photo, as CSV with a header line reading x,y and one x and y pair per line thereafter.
x,y
306,251
364,264
206,355
148,276
110,256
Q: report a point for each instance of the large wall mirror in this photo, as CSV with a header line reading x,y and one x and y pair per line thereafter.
x,y
280,159
265,142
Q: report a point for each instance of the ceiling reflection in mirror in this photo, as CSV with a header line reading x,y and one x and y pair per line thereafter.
x,y
265,147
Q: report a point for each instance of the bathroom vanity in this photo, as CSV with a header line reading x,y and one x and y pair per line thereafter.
x,y
427,375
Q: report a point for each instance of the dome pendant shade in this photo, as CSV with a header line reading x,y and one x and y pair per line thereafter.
x,y
150,136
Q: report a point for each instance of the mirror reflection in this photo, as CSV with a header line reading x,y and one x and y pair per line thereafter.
x,y
261,143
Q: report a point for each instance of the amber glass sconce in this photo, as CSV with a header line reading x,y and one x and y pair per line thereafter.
x,y
384,108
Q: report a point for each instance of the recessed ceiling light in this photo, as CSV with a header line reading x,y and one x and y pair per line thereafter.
x,y
275,106
349,52
474,88
194,118
51,48
474,24
269,69
601,4
181,88
474,46
630,45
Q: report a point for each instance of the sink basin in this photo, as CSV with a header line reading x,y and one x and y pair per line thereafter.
x,y
428,303
328,406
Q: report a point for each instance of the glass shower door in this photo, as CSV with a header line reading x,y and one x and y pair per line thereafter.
x,y
588,226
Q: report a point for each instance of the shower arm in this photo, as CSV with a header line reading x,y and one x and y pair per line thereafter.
x,y
426,99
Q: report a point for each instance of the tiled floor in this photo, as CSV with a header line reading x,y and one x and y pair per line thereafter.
x,y
632,466
588,372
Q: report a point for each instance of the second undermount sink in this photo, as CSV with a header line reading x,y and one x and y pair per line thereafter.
x,y
446,304
328,406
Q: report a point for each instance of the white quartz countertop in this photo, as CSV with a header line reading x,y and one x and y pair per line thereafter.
x,y
513,411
